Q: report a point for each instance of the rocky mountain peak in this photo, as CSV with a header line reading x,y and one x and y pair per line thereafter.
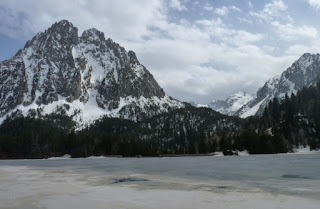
x,y
133,58
85,77
232,104
60,34
62,26
93,35
305,61
63,23
268,88
303,72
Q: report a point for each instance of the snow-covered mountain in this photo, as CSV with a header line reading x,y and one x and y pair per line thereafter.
x,y
232,104
84,77
303,72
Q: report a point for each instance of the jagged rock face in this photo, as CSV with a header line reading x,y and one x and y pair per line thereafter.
x,y
303,72
118,73
266,93
14,84
44,69
88,75
232,104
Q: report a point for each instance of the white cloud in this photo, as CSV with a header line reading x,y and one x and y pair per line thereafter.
x,y
315,3
207,70
22,19
274,9
250,5
282,26
219,31
208,7
185,75
175,4
236,9
244,20
221,11
290,32
295,50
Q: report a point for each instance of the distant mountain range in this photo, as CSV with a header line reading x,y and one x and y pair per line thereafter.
x,y
303,72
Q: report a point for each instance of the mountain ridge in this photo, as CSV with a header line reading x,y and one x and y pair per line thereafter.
x,y
303,72
84,76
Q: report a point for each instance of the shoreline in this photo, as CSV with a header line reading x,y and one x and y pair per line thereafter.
x,y
220,154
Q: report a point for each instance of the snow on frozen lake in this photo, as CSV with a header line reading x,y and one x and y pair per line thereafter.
x,y
256,181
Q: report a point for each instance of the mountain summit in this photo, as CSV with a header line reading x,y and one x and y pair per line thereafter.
x,y
302,73
232,104
84,77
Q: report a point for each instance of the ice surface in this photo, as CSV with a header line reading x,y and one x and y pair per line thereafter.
x,y
29,187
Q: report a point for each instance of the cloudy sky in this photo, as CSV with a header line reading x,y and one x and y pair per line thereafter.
x,y
197,50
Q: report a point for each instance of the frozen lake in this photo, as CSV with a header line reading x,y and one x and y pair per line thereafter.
x,y
256,181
